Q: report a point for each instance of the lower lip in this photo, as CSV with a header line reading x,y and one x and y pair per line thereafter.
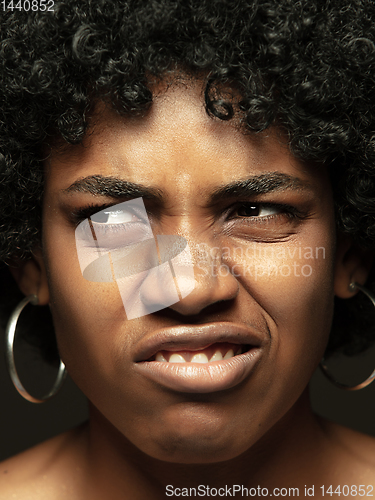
x,y
201,377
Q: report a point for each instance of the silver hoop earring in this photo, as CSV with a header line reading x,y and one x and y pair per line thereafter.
x,y
9,355
323,367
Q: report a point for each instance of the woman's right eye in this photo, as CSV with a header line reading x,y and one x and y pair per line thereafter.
x,y
114,217
113,227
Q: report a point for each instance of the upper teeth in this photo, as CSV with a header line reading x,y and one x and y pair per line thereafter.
x,y
199,357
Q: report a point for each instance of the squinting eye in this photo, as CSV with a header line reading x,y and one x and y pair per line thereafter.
x,y
114,217
257,210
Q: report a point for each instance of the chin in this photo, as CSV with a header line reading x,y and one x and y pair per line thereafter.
x,y
199,440
193,450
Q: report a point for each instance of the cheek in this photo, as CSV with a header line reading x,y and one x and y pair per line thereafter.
x,y
293,284
86,315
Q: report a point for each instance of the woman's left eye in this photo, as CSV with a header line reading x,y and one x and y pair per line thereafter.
x,y
114,217
257,210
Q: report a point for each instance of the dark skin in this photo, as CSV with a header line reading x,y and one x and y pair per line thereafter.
x,y
142,436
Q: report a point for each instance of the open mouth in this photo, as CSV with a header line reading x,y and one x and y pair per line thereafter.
x,y
215,352
200,358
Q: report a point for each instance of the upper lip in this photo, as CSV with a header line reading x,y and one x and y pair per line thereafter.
x,y
196,337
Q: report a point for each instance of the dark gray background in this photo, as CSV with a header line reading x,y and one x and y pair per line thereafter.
x,y
23,424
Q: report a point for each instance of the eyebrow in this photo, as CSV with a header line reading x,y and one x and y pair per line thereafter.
x,y
260,184
113,187
116,188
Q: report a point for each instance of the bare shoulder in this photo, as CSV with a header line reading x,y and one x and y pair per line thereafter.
x,y
48,470
357,450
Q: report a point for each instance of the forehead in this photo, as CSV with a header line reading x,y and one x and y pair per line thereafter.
x,y
175,140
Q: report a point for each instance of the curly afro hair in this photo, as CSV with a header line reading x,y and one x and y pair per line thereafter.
x,y
306,66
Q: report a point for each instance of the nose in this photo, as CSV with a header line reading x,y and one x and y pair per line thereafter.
x,y
213,280
200,279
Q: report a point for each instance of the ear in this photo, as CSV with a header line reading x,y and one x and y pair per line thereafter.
x,y
31,276
353,264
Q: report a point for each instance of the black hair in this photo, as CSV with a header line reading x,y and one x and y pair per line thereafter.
x,y
305,66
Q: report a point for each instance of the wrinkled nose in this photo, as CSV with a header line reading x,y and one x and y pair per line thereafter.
x,y
201,279
210,287
169,273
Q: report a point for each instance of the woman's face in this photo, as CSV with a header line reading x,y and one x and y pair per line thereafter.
x,y
262,251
